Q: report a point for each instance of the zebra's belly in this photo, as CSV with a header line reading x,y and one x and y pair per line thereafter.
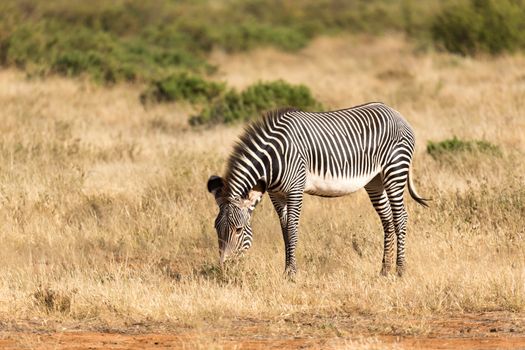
x,y
330,186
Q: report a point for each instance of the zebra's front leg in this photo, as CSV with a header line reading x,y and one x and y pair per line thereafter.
x,y
290,233
279,201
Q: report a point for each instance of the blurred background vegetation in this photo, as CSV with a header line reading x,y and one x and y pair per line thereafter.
x,y
164,44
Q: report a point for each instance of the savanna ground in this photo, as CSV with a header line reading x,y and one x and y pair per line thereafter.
x,y
107,225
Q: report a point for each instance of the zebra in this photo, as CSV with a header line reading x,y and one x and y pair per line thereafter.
x,y
289,152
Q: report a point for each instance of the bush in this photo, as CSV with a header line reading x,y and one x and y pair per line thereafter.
x,y
182,86
481,26
113,41
452,146
246,36
107,41
262,96
131,40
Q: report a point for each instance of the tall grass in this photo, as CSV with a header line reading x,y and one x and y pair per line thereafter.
x,y
106,221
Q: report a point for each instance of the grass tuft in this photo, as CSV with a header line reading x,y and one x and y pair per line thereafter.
x,y
455,146
52,300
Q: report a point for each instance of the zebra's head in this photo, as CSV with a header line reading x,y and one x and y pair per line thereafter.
x,y
233,221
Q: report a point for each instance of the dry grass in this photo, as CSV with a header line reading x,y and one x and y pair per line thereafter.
x,y
106,221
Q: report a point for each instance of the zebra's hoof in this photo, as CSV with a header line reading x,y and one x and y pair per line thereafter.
x,y
385,271
400,271
290,275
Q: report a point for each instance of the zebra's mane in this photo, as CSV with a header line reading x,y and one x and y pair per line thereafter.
x,y
257,127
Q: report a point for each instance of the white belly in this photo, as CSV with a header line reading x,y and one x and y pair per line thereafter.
x,y
331,186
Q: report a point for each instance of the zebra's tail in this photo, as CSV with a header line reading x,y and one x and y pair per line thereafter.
x,y
413,193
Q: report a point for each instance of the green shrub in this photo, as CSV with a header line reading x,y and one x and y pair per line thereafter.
x,y
481,25
233,106
246,36
111,42
453,146
133,40
53,47
182,86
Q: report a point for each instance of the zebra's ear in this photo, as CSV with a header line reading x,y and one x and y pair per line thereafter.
x,y
255,195
215,185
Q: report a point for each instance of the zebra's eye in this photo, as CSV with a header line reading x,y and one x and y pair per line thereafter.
x,y
238,230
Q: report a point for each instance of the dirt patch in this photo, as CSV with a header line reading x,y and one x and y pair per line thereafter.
x,y
471,331
90,340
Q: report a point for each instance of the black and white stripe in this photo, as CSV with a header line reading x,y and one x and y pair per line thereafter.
x,y
291,152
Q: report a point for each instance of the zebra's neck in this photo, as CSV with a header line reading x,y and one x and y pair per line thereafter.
x,y
255,155
243,176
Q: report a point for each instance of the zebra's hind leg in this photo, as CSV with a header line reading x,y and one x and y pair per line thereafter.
x,y
381,203
395,181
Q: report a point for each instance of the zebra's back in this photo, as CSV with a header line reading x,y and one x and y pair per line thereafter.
x,y
343,150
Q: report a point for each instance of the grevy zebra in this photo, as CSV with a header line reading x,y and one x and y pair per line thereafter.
x,y
290,152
